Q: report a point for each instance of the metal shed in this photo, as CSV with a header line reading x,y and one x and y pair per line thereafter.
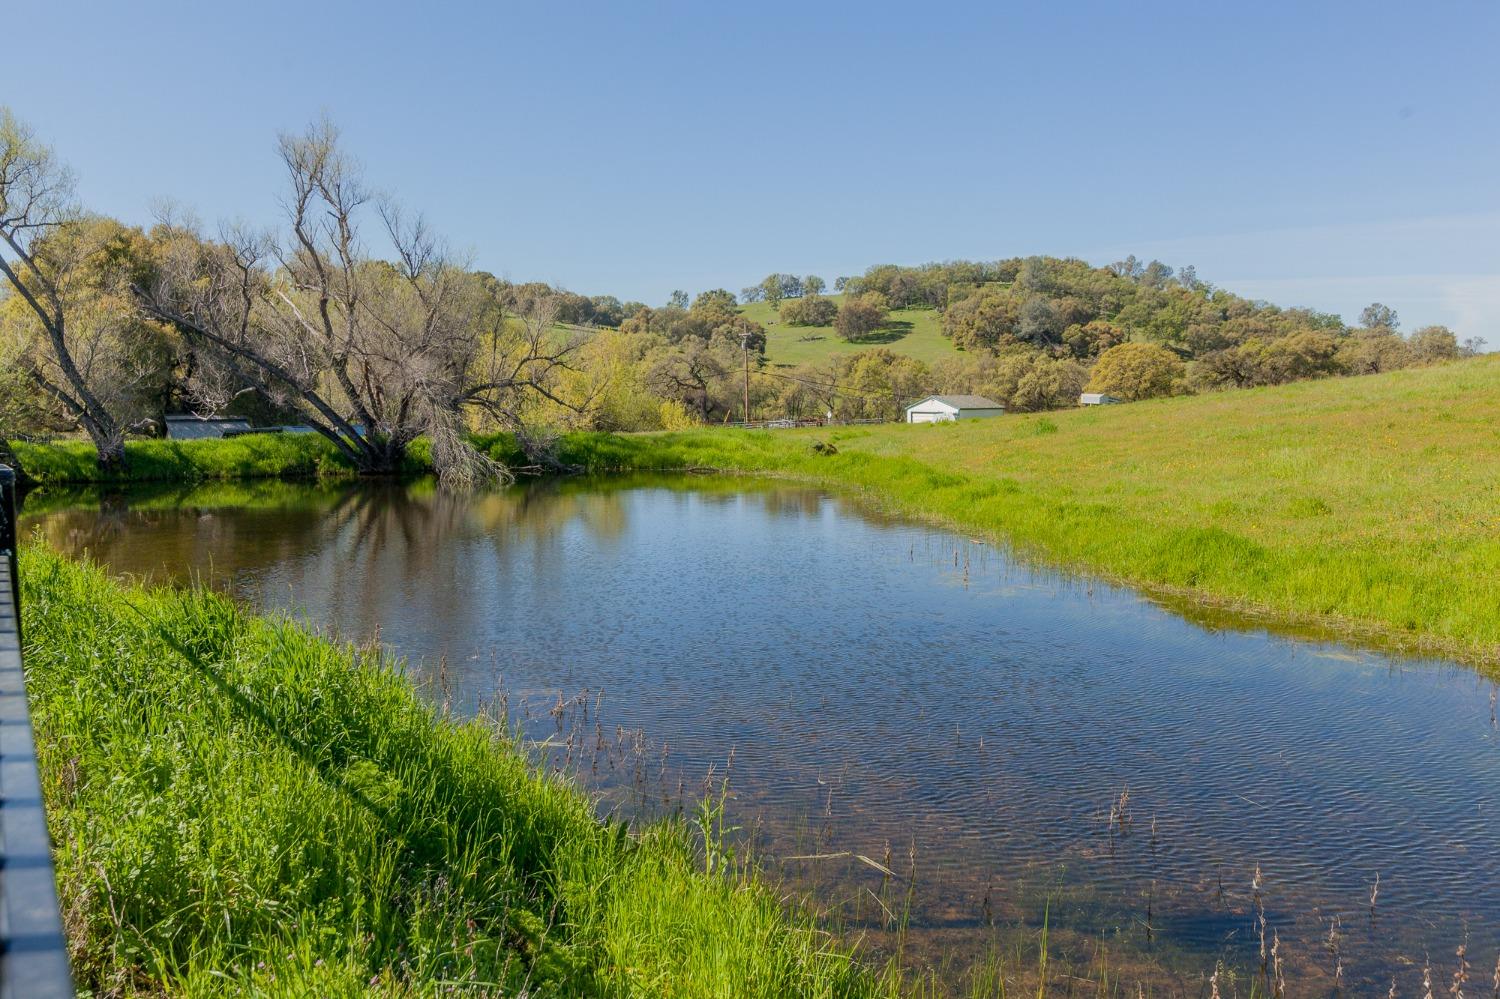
x,y
943,408
187,427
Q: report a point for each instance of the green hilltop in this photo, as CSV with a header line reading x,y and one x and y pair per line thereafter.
x,y
914,332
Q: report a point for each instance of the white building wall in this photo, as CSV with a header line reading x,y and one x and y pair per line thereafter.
x,y
931,413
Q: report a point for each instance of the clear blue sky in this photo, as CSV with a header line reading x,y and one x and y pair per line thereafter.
x,y
1322,154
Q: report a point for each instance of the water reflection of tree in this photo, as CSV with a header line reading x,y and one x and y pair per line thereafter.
x,y
355,555
538,511
177,537
361,556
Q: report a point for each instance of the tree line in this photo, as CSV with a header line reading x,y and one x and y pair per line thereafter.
x,y
1068,309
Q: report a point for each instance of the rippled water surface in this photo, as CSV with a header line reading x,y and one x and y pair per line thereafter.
x,y
1010,742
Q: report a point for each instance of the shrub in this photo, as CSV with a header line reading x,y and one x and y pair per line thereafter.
x,y
1137,371
860,316
675,415
814,310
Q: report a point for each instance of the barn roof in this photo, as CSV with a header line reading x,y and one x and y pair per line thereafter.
x,y
186,426
962,401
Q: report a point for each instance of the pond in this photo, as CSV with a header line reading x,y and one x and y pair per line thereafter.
x,y
1015,746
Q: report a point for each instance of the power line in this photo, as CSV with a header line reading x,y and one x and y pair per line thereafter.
x,y
832,387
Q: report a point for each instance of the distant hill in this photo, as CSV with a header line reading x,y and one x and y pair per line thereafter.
x,y
1068,314
1032,333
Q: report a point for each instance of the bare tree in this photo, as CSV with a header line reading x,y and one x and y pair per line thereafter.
x,y
372,353
694,372
36,207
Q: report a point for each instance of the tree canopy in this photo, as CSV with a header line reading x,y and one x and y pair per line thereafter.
x,y
1134,371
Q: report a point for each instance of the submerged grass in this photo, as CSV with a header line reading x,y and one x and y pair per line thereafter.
x,y
243,808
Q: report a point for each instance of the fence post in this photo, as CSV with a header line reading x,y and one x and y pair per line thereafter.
x,y
33,950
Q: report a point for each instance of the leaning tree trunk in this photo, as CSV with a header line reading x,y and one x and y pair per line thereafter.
x,y
108,440
380,456
112,458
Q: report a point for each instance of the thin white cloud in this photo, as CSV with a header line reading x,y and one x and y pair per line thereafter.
x,y
1468,303
1436,269
1475,302
1429,244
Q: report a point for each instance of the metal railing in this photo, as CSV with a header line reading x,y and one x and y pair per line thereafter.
x,y
10,535
33,951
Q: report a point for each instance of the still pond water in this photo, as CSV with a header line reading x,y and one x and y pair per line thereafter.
x,y
1029,745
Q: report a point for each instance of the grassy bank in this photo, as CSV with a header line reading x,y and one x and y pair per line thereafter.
x,y
242,808
253,456
258,456
1365,506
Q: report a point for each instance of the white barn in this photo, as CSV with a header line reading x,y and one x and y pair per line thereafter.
x,y
1097,399
942,408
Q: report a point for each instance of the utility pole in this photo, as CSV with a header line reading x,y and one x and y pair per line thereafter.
x,y
745,347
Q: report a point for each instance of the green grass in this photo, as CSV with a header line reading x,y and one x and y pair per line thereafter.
x,y
242,808
264,456
1361,506
253,493
253,456
914,332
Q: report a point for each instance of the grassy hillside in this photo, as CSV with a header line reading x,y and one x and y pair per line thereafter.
x,y
1362,504
242,808
914,332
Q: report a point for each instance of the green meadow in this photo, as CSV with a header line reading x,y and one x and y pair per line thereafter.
x,y
916,333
